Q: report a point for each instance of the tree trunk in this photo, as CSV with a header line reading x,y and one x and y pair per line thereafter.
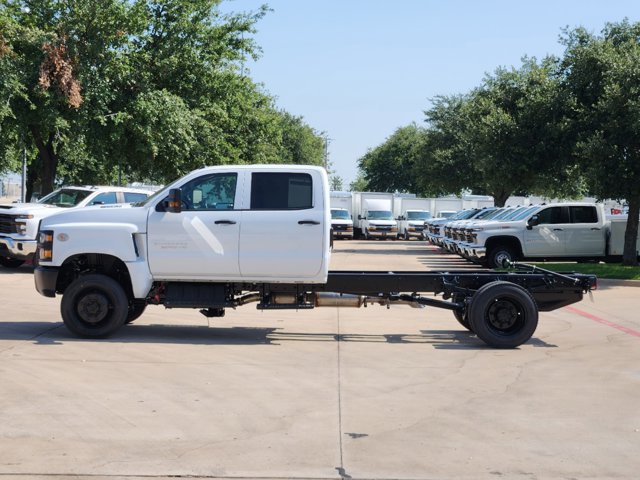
x,y
49,160
500,198
630,253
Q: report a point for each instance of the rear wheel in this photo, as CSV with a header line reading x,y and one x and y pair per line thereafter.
x,y
9,262
503,315
94,306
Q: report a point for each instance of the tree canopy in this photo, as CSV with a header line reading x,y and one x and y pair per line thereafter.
x,y
561,127
138,89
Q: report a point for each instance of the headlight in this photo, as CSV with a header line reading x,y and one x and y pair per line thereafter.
x,y
45,246
21,223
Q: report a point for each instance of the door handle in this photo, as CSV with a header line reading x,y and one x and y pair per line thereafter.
x,y
596,229
308,222
557,229
225,222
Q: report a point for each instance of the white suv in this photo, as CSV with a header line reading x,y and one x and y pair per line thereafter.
x,y
19,221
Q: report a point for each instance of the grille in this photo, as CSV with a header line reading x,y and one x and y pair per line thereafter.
x,y
340,227
7,224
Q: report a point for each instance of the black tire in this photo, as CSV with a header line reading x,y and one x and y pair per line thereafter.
x,y
503,314
9,262
94,306
136,308
461,317
500,254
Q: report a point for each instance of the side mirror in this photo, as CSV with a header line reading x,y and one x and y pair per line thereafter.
x,y
532,222
360,217
173,203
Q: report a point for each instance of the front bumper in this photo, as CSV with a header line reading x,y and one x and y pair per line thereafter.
x,y
414,233
342,234
19,249
46,279
383,233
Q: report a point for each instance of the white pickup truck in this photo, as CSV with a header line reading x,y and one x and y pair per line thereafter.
x,y
562,231
225,236
19,221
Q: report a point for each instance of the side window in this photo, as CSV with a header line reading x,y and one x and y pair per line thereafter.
x,y
105,198
130,197
281,191
586,214
210,192
550,215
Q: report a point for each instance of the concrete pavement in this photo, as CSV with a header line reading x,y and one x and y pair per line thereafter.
x,y
370,393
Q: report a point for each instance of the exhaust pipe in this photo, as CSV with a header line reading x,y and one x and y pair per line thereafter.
x,y
331,299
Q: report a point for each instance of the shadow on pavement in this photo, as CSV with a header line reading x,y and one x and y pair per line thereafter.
x,y
52,334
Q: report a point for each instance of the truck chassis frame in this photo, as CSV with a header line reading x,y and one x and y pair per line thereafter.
x,y
500,307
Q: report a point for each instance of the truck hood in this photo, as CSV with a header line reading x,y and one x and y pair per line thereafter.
x,y
116,214
27,208
341,222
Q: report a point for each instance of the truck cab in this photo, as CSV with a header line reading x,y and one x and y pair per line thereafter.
x,y
244,223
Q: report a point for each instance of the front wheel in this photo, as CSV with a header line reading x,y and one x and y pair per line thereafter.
x,y
9,262
500,256
136,308
94,306
503,315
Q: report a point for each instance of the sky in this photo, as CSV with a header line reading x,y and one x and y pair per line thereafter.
x,y
357,70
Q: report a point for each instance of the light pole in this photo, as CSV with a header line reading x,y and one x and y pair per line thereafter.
x,y
23,186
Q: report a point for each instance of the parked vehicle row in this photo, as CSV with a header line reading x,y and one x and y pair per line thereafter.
x,y
562,231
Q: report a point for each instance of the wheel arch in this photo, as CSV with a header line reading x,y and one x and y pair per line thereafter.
x,y
100,263
504,240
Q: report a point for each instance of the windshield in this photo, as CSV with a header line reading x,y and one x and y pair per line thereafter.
x,y
65,197
494,214
380,215
423,215
150,198
485,213
466,214
525,212
340,215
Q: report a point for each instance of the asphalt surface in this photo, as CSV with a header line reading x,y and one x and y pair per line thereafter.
x,y
324,394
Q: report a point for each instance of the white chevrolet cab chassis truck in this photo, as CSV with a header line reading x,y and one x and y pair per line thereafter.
x,y
226,236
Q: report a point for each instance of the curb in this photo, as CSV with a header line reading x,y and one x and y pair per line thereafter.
x,y
618,283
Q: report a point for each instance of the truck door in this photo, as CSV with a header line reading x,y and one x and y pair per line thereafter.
x,y
585,234
202,240
548,237
282,234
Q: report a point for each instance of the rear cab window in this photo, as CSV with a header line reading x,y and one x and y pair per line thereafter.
x,y
281,191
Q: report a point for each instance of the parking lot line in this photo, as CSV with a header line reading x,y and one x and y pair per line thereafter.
x,y
628,331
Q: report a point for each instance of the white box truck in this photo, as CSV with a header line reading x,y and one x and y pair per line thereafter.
x,y
411,213
341,217
373,215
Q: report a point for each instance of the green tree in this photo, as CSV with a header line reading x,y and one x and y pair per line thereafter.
x,y
359,184
336,183
507,136
301,144
143,89
390,167
602,73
